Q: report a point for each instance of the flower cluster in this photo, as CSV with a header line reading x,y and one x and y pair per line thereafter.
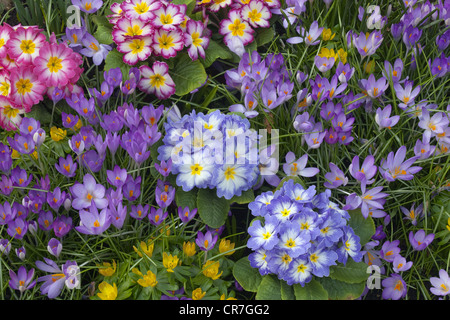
x,y
266,80
243,18
212,151
32,67
301,234
142,28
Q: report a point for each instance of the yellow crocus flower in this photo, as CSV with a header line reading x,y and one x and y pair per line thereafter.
x,y
189,249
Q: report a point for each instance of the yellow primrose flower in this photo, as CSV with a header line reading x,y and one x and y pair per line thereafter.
x,y
106,270
342,55
57,134
148,280
107,291
189,248
226,245
211,269
222,297
198,294
326,34
147,248
170,262
328,53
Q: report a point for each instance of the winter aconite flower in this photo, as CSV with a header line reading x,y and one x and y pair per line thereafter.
x,y
107,291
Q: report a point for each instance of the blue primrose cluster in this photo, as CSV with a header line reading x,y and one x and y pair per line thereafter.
x,y
301,234
215,151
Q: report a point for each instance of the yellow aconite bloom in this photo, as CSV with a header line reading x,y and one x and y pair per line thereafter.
x,y
57,134
147,248
328,53
170,262
78,125
148,280
226,245
369,67
448,224
107,270
107,291
342,55
198,294
222,297
211,269
189,248
15,154
326,35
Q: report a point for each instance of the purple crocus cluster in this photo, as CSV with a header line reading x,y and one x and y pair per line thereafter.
x,y
260,80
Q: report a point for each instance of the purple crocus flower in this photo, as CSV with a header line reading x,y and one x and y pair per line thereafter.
x,y
268,167
54,282
411,36
5,246
335,178
24,144
6,213
112,122
69,120
56,198
433,125
315,138
112,140
394,287
423,149
164,168
186,215
395,71
93,49
206,241
93,222
117,177
62,225
399,264
76,143
157,216
113,77
164,198
6,185
5,158
406,94
294,167
118,213
344,72
54,247
88,6
439,66
420,240
87,193
45,220
132,188
303,122
383,117
441,285
323,63
394,167
342,123
308,37
23,280
372,87
390,250
21,253
17,228
368,44
413,214
139,212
